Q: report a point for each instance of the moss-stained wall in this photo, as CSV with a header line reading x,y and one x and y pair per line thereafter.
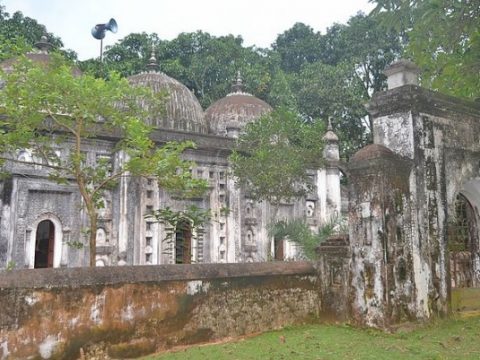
x,y
439,136
53,313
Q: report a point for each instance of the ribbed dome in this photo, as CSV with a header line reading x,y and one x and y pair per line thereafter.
x,y
183,111
372,151
237,107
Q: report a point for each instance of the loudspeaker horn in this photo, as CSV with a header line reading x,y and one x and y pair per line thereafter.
x,y
112,26
98,31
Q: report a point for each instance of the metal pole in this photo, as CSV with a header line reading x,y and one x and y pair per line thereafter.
x,y
101,50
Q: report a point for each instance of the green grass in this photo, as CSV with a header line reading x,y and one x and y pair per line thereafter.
x,y
444,339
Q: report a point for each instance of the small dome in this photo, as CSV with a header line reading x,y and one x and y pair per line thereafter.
x,y
238,107
372,151
330,136
183,111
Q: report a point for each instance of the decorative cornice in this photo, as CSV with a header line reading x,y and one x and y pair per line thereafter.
x,y
412,98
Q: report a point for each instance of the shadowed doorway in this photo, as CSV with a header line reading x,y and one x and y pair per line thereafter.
x,y
183,243
44,245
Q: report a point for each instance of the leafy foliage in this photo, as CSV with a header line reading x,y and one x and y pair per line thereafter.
x,y
298,46
10,48
443,39
19,29
299,232
192,215
334,75
272,156
53,113
325,91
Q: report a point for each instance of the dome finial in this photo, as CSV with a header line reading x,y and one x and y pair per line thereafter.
x,y
330,136
330,127
43,45
152,62
238,86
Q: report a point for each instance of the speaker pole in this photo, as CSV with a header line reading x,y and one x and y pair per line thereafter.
x,y
99,30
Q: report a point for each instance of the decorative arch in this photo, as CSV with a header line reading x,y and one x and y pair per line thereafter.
x,y
250,237
31,240
101,236
463,237
25,155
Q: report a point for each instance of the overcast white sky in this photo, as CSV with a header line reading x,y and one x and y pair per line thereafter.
x,y
257,21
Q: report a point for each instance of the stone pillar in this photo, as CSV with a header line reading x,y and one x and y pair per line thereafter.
x,y
328,179
382,269
122,232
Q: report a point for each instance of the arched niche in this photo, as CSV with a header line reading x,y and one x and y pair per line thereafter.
x,y
101,237
45,232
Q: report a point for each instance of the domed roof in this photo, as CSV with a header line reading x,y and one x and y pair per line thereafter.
x,y
372,151
183,111
238,107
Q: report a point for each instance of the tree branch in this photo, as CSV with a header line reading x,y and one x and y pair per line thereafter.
x,y
104,182
59,123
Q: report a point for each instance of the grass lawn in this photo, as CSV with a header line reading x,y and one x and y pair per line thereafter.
x,y
444,339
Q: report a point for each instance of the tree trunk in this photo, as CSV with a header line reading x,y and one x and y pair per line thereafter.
x,y
93,238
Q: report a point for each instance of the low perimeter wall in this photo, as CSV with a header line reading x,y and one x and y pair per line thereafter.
x,y
131,311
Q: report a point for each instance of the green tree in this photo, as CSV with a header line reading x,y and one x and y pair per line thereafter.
x,y
334,75
443,39
364,43
47,109
20,29
272,157
281,92
298,46
325,91
10,48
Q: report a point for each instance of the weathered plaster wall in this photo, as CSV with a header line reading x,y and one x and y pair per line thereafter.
x,y
440,134
381,271
52,313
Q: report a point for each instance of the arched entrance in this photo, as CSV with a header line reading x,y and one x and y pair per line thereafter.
x,y
463,244
183,243
44,244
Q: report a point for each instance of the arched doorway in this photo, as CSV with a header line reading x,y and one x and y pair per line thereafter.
x,y
183,243
463,244
44,244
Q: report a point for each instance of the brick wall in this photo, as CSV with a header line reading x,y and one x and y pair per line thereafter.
x,y
53,313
